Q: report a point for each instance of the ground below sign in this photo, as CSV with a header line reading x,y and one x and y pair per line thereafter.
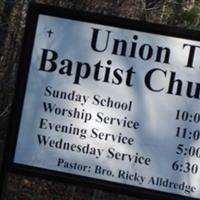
x,y
112,102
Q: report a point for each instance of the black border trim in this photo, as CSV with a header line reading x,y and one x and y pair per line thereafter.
x,y
34,11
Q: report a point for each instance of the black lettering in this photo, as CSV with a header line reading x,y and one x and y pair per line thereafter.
x,y
45,59
130,72
145,49
96,72
116,47
172,82
83,74
95,37
118,76
192,50
66,69
148,78
166,56
196,92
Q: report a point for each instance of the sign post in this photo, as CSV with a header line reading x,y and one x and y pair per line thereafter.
x,y
112,102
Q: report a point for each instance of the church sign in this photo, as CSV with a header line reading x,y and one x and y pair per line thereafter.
x,y
109,101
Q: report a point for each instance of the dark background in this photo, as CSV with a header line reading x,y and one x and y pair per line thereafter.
x,y
182,13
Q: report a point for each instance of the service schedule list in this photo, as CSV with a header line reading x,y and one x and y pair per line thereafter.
x,y
114,104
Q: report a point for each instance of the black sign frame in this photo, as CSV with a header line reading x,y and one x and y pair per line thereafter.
x,y
31,24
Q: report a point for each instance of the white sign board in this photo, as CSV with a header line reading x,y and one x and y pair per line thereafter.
x,y
113,103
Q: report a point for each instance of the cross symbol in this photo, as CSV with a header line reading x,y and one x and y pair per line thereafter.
x,y
49,33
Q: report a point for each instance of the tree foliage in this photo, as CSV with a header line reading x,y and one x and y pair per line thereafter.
x,y
182,13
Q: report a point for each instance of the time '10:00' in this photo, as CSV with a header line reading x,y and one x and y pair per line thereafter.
x,y
187,117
